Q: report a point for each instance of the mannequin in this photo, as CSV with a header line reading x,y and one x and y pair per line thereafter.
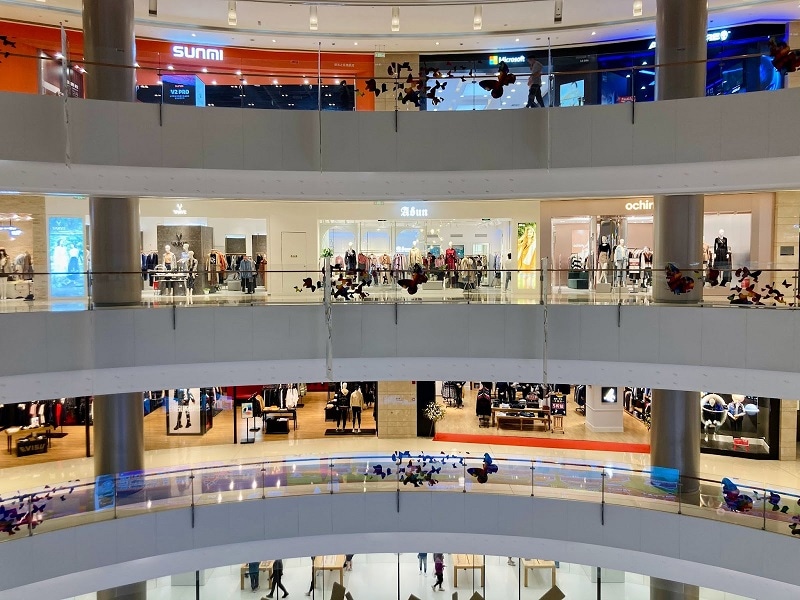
x,y
5,269
714,412
168,259
467,272
603,256
620,262
722,256
450,259
415,256
344,407
191,275
356,405
736,412
647,266
185,253
350,257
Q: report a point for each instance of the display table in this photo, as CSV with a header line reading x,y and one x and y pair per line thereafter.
x,y
279,412
17,433
468,562
535,563
332,562
36,445
172,277
513,416
265,566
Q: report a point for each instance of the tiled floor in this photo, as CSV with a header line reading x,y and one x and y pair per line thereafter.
x,y
375,577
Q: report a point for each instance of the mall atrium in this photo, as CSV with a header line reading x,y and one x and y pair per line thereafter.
x,y
272,325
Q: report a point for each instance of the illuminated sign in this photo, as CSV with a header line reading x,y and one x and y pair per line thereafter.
x,y
639,205
413,211
496,59
179,210
200,53
712,36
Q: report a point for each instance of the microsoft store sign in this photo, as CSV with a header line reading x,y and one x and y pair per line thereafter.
x,y
712,36
496,59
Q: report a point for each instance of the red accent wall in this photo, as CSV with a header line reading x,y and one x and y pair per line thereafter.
x,y
21,74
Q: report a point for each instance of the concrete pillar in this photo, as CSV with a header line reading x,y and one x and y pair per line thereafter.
x,y
681,27
108,27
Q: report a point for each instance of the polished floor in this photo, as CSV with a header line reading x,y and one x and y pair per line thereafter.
x,y
376,577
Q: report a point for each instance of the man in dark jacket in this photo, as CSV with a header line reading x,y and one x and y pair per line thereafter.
x,y
277,575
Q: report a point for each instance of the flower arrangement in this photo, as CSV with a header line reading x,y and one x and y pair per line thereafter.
x,y
434,412
327,253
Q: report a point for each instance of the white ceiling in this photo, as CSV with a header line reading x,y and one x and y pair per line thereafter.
x,y
362,26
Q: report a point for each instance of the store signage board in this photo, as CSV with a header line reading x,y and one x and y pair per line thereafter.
x,y
214,54
558,405
413,211
639,205
496,59
723,35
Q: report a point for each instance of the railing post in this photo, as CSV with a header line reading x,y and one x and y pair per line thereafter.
x,y
30,515
330,474
764,511
533,474
191,482
115,490
680,494
603,497
397,479
263,481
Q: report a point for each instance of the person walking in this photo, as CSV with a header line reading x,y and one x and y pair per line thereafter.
x,y
311,587
422,557
438,563
508,267
252,573
535,84
247,272
277,575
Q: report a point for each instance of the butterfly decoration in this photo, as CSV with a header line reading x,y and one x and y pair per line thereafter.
x,y
372,87
378,471
504,78
784,59
307,284
677,282
28,512
749,291
7,42
482,474
412,285
734,499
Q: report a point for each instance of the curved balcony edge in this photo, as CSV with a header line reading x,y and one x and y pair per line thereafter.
x,y
681,548
101,352
699,145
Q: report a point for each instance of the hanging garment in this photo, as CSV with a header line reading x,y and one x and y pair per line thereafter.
x,y
450,259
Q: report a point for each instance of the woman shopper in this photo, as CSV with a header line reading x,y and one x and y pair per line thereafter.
x,y
422,557
438,562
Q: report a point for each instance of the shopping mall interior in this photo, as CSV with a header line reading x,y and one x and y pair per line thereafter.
x,y
270,326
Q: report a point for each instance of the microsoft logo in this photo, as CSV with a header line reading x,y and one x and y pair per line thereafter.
x,y
496,59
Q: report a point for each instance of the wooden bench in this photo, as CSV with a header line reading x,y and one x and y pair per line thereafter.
x,y
467,562
265,566
522,421
535,563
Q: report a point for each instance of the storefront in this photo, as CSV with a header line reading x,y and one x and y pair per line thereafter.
x,y
611,241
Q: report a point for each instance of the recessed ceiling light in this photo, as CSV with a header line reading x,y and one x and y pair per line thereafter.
x,y
194,35
205,70
437,43
274,41
516,40
238,72
355,43
170,68
213,82
594,33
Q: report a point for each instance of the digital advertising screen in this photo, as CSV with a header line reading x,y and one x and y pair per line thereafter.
x,y
188,90
66,254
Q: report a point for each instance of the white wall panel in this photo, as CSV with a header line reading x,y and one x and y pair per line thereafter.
x,y
223,135
262,140
340,141
300,140
33,128
377,144
752,351
571,137
670,546
530,140
742,136
182,137
698,127
654,132
612,135
139,135
89,143
783,134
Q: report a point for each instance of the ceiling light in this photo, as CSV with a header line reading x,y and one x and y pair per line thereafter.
x,y
275,82
594,33
274,41
232,18
205,69
516,40
239,73
637,8
136,64
194,35
355,43
244,81
213,82
395,18
153,8
305,81
477,17
437,43
313,18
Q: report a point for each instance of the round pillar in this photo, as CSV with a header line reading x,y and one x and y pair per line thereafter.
x,y
678,248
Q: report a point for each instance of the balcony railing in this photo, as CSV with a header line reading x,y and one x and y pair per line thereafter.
x,y
73,503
